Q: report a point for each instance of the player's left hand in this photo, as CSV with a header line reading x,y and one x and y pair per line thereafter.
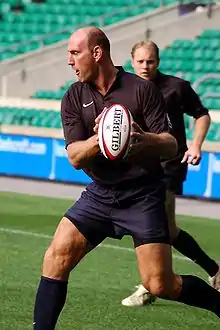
x,y
192,156
139,141
97,121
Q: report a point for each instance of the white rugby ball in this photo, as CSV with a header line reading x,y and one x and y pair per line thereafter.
x,y
114,132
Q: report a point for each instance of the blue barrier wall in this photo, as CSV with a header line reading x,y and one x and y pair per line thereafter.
x,y
46,158
204,180
37,157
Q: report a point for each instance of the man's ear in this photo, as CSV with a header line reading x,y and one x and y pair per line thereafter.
x,y
97,53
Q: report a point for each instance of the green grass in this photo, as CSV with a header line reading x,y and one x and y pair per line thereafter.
x,y
98,284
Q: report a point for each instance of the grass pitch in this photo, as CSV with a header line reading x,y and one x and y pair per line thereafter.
x,y
98,284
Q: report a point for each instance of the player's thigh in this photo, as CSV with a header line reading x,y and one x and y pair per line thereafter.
x,y
170,204
154,260
155,267
67,248
174,187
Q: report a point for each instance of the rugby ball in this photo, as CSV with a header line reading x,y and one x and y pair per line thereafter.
x,y
114,132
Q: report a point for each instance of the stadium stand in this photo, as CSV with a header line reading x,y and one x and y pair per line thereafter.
x,y
50,119
22,21
28,20
190,59
56,95
26,71
30,117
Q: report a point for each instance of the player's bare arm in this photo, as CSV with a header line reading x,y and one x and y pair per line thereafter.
x,y
201,128
162,145
81,152
193,154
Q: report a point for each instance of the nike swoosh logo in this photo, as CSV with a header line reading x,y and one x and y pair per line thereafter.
x,y
85,105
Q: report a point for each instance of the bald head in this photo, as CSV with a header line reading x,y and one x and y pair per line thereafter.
x,y
92,36
89,51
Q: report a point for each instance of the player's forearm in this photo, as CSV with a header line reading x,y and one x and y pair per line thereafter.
x,y
81,152
163,145
201,128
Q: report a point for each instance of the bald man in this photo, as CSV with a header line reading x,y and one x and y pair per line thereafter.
x,y
126,195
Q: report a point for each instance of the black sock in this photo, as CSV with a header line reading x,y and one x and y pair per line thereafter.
x,y
185,244
196,292
49,302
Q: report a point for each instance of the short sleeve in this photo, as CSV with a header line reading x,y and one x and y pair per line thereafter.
x,y
154,110
191,103
72,123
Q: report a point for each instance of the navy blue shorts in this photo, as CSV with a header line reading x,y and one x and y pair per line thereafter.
x,y
104,212
174,185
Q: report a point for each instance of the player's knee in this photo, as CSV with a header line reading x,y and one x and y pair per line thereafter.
x,y
57,262
159,287
164,287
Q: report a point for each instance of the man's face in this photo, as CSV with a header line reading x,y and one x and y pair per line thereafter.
x,y
145,62
81,59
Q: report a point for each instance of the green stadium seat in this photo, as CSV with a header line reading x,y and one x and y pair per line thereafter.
x,y
4,7
7,55
185,44
189,134
209,34
212,103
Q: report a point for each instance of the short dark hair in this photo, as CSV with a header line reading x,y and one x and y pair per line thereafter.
x,y
146,44
98,37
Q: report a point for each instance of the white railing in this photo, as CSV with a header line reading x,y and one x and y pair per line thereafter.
x,y
199,81
41,104
205,77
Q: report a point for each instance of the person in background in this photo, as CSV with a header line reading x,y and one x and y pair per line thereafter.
x,y
180,99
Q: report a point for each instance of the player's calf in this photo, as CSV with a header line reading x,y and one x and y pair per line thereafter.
x,y
68,247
